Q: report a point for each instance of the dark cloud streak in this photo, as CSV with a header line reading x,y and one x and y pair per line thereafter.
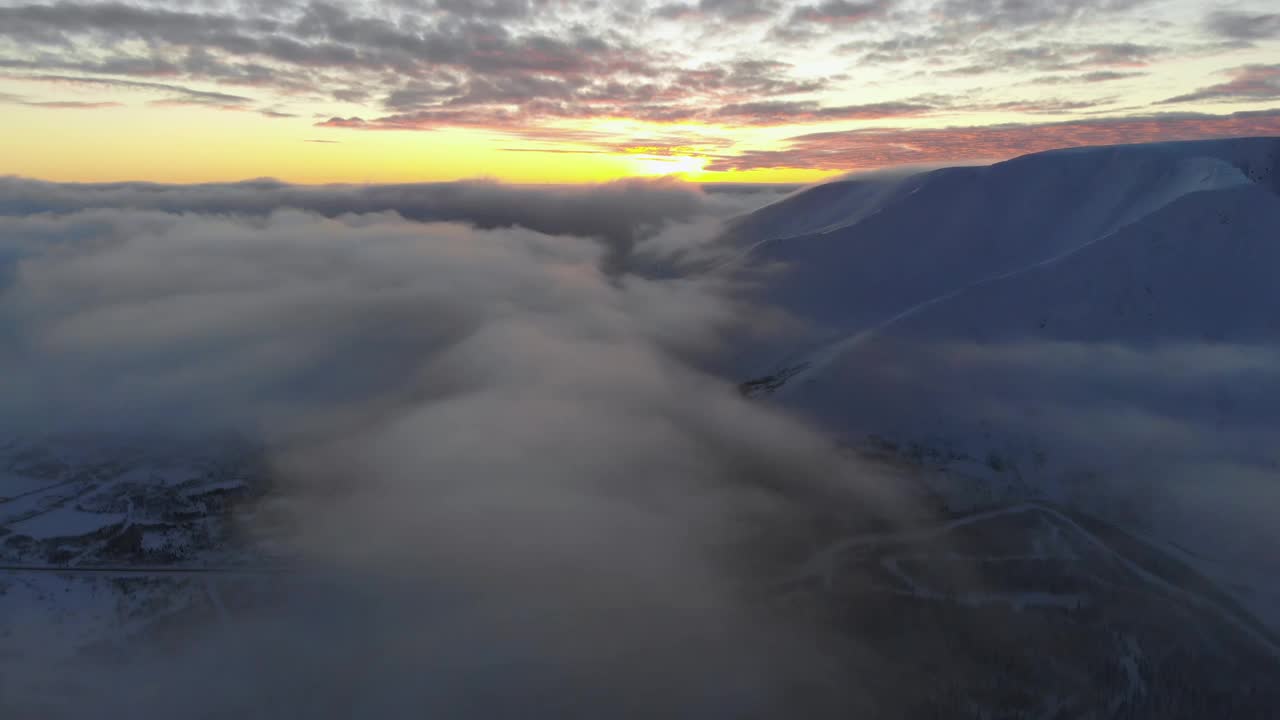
x,y
1244,26
178,94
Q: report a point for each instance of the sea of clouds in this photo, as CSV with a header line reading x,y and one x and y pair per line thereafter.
x,y
512,490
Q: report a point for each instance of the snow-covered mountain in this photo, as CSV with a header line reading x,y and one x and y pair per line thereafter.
x,y
858,253
1098,327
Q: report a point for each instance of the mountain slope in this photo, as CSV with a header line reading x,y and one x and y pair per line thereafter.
x,y
1027,611
1113,345
938,232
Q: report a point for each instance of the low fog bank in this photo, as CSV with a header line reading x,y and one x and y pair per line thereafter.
x,y
618,214
511,492
1176,438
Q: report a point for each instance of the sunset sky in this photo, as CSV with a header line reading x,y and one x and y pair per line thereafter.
x,y
585,90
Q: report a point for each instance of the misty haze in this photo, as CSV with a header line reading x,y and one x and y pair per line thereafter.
x,y
639,359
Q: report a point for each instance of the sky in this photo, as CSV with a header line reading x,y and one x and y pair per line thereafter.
x,y
569,91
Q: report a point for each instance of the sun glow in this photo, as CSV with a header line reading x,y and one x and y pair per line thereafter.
x,y
668,165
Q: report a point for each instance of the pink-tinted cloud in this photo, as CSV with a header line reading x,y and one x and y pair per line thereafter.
x,y
884,147
1250,82
736,110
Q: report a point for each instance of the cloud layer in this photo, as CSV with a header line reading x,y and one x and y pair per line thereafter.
x,y
511,490
618,214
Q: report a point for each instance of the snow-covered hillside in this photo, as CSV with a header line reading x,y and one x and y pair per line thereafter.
x,y
107,541
88,500
857,254
1098,327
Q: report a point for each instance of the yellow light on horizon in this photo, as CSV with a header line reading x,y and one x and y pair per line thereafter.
x,y
194,144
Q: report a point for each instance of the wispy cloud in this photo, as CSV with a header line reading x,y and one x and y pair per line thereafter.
x,y
58,104
177,94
